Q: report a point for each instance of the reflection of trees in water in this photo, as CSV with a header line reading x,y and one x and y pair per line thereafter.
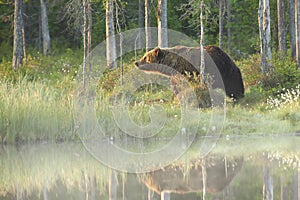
x,y
210,175
67,171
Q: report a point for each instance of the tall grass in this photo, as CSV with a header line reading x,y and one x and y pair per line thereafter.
x,y
39,102
35,111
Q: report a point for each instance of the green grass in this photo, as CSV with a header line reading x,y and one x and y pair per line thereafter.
x,y
40,102
35,111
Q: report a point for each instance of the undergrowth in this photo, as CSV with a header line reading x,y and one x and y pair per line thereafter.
x,y
37,102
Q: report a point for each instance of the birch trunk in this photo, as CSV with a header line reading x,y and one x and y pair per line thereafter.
x,y
45,28
140,23
202,64
110,38
162,23
18,39
147,24
85,51
89,36
221,8
229,22
267,30
262,37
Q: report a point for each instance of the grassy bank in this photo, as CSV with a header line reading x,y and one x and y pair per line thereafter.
x,y
39,102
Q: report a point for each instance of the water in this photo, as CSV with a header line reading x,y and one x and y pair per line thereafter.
x,y
238,168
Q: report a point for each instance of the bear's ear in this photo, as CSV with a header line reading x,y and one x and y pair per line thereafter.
x,y
156,51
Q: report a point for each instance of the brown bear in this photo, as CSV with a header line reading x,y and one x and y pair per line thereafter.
x,y
187,59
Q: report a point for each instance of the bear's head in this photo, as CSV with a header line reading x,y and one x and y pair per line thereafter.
x,y
150,57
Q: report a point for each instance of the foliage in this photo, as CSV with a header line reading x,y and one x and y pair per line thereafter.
x,y
37,102
284,74
56,68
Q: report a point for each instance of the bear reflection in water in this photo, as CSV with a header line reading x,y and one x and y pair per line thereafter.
x,y
186,60
181,179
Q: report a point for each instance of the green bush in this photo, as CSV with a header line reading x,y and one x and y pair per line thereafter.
x,y
284,74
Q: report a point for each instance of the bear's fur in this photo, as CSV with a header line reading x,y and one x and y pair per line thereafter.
x,y
187,59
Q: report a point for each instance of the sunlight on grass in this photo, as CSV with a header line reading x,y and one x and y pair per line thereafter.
x,y
33,111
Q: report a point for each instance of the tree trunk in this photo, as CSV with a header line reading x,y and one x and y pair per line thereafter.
x,y
140,23
45,28
202,64
23,39
281,28
229,22
119,31
18,39
110,35
292,28
262,37
267,30
221,8
297,22
162,23
85,50
147,24
89,36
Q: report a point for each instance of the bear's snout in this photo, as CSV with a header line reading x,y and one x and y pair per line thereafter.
x,y
136,63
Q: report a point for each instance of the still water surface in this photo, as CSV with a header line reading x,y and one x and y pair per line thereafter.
x,y
238,168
